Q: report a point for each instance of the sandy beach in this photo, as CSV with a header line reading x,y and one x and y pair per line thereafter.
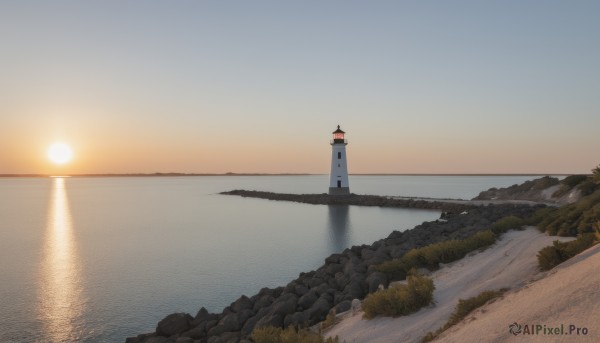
x,y
511,263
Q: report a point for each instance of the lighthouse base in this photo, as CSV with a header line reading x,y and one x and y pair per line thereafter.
x,y
339,190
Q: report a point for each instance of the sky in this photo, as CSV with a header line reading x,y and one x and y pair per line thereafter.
x,y
258,86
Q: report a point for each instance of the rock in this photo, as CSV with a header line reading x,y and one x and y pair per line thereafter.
x,y
334,258
243,303
318,311
296,319
197,332
314,282
244,315
184,340
356,305
230,322
203,316
228,337
300,290
376,279
249,326
251,322
262,302
332,269
274,320
211,324
341,280
343,306
173,324
354,290
322,289
284,305
307,300
157,339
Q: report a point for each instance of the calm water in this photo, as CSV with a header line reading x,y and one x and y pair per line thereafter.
x,y
100,259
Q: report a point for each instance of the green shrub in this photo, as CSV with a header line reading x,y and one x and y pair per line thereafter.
x,y
588,187
549,257
542,215
574,180
330,320
463,308
272,334
507,223
400,300
432,255
573,219
596,174
558,252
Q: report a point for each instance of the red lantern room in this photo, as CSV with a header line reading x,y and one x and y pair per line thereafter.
x,y
338,136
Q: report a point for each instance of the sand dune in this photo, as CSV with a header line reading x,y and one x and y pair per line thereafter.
x,y
511,263
567,298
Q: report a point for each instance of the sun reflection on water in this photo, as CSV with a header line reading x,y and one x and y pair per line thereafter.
x,y
61,294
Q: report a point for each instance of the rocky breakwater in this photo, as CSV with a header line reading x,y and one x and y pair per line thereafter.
x,y
354,199
305,301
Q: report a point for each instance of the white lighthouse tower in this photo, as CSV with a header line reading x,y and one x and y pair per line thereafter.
x,y
338,179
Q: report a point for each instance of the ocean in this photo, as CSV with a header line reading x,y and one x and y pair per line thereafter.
x,y
98,259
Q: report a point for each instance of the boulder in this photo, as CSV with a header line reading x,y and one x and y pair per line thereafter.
x,y
354,290
295,319
318,311
284,305
244,315
197,332
243,303
341,280
203,316
174,324
274,320
300,290
262,302
308,299
343,306
375,279
184,340
157,339
333,269
231,322
314,282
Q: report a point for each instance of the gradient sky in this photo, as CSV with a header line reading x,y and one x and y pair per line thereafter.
x,y
258,86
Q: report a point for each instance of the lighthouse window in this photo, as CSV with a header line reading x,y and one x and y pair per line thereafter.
x,y
339,155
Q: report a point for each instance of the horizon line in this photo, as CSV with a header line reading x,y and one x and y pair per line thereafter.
x,y
160,174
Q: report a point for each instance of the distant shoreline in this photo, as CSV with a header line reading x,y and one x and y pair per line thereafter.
x,y
266,174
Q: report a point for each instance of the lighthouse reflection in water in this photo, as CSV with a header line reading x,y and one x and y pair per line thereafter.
x,y
61,300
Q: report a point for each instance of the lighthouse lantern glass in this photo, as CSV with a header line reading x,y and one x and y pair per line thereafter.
x,y
338,135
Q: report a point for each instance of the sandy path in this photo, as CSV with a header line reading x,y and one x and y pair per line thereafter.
x,y
508,263
568,295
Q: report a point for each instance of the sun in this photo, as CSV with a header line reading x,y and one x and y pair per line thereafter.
x,y
60,153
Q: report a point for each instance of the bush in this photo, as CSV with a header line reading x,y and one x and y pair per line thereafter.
x,y
573,219
553,255
507,223
545,214
463,308
271,334
588,187
400,300
432,255
596,174
549,257
574,180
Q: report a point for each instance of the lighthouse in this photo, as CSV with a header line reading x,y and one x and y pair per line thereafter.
x,y
338,179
